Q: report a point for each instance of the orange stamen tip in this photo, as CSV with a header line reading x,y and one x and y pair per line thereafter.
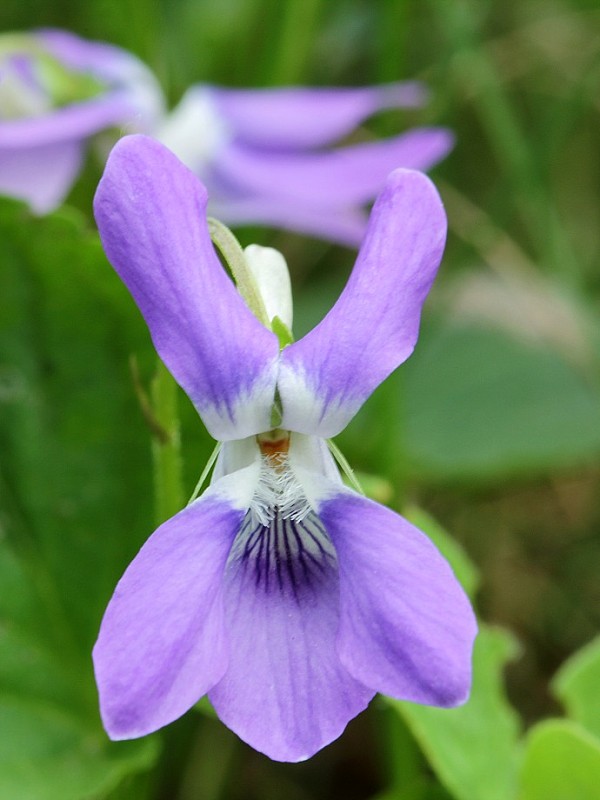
x,y
274,445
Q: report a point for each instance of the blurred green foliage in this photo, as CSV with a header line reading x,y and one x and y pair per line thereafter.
x,y
493,424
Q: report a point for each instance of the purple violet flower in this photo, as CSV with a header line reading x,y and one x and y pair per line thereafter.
x,y
262,160
286,596
264,154
56,92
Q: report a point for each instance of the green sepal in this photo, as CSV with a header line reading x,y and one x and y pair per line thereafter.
x,y
276,411
283,333
235,260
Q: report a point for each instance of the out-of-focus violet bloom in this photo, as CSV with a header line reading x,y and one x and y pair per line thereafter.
x,y
261,153
286,596
264,154
56,92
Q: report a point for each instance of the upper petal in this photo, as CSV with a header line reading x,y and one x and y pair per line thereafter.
x,y
292,118
406,625
162,643
373,327
151,213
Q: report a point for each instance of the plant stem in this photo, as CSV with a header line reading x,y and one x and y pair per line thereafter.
x,y
166,450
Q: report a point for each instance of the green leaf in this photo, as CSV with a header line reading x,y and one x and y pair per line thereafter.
x,y
74,773
463,567
562,762
481,405
52,746
473,749
577,686
74,450
75,489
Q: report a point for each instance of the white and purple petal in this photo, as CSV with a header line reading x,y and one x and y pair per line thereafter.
x,y
285,691
326,376
298,118
195,130
151,213
406,627
163,643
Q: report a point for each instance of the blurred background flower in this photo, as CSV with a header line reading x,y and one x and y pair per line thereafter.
x,y
259,151
56,92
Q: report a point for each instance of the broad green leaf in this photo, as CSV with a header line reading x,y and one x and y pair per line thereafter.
x,y
74,450
87,769
481,405
52,746
75,501
473,749
420,789
463,567
562,762
577,686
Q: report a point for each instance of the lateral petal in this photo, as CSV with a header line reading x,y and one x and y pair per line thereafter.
x,y
327,375
162,643
406,625
151,213
292,118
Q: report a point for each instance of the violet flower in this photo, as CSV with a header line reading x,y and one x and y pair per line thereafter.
x,y
263,153
56,92
286,596
260,153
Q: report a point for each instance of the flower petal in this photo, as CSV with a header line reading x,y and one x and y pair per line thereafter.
x,y
151,213
195,130
343,177
272,276
132,96
162,643
42,176
127,78
326,376
285,692
302,118
406,625
83,55
71,123
344,226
